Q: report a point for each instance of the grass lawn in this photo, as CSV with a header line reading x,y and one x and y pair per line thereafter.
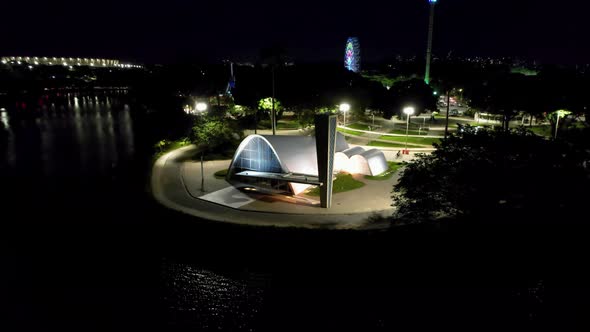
x,y
344,182
178,144
287,125
350,132
221,174
413,126
579,125
386,145
358,126
541,130
166,146
410,132
393,167
416,140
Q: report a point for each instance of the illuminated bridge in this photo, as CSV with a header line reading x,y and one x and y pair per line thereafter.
x,y
68,62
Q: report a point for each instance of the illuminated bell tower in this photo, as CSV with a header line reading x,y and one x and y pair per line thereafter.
x,y
325,140
429,46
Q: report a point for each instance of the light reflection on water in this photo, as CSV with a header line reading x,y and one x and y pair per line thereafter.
x,y
85,132
4,119
205,300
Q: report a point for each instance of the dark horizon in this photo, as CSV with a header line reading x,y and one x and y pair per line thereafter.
x,y
310,31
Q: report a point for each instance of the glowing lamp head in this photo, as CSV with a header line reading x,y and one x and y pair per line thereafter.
x,y
563,113
409,110
432,1
201,107
344,107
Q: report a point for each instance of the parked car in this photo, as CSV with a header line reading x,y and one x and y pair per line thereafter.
x,y
454,112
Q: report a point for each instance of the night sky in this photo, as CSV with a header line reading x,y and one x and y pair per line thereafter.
x,y
180,30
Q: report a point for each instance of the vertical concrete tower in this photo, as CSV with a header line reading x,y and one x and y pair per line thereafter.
x,y
429,45
325,138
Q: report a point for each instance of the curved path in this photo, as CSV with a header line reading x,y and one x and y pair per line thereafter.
x,y
176,182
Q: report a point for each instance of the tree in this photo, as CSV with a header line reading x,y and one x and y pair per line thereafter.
x,y
505,95
215,134
556,118
385,80
413,92
495,175
274,56
266,105
305,117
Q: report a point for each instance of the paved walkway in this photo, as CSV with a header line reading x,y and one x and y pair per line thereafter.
x,y
176,183
285,132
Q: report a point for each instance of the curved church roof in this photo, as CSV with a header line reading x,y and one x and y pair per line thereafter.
x,y
371,162
352,151
287,158
298,153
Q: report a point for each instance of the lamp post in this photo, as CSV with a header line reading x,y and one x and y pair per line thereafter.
x,y
201,107
273,115
429,45
448,110
344,107
560,113
408,111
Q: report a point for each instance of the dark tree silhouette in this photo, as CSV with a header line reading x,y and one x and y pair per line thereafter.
x,y
412,92
485,174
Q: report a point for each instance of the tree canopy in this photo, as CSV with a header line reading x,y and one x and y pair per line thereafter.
x,y
413,93
215,134
484,174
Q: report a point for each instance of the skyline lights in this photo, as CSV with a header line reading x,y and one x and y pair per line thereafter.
x,y
66,62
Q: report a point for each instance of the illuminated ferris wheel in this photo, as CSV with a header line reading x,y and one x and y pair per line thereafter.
x,y
352,55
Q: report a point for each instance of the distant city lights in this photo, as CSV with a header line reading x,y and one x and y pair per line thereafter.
x,y
67,62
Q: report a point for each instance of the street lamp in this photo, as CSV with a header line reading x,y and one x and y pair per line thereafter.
x,y
560,113
344,107
408,111
201,107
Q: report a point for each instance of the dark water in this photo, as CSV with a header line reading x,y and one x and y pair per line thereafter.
x,y
85,248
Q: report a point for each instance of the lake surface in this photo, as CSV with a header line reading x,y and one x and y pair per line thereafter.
x,y
87,249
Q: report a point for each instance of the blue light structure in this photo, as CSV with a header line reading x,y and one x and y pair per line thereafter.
x,y
352,55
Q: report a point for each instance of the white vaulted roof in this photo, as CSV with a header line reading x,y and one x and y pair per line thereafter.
x,y
298,153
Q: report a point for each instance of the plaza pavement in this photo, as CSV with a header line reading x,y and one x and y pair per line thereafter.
x,y
176,183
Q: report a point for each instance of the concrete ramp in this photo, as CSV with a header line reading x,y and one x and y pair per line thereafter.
x,y
229,196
